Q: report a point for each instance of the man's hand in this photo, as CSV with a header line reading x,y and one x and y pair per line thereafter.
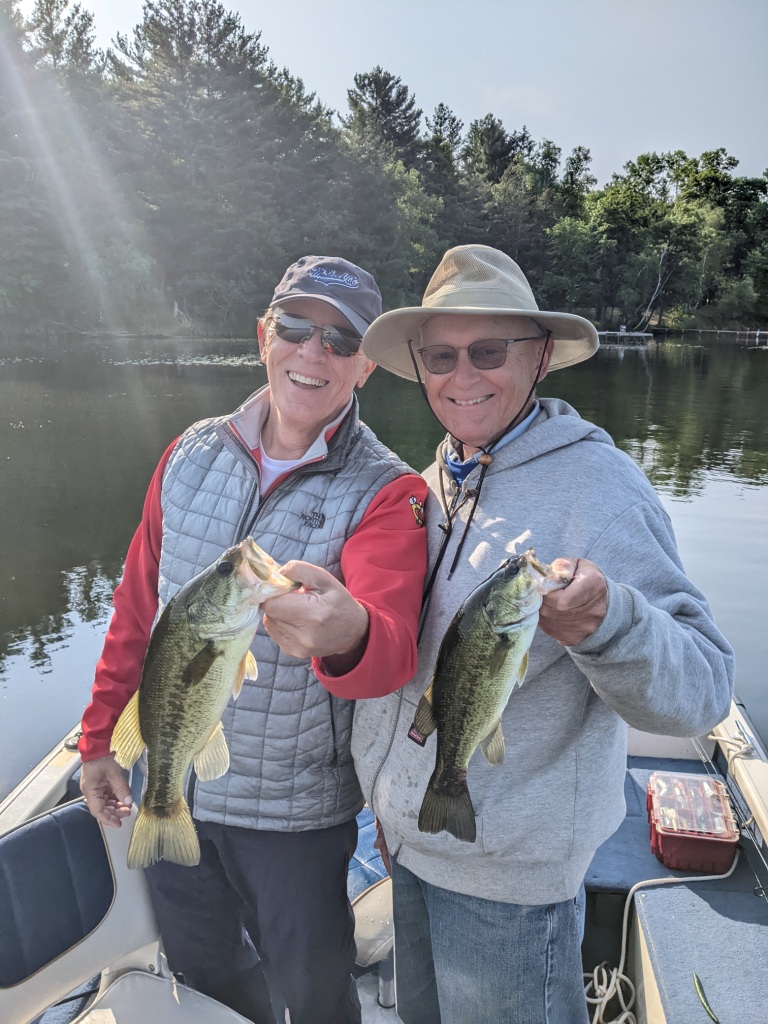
x,y
104,785
573,613
380,844
322,620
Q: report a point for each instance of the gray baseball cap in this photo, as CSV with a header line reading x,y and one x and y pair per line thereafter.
x,y
338,282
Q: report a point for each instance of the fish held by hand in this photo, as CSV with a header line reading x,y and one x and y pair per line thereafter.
x,y
482,658
197,658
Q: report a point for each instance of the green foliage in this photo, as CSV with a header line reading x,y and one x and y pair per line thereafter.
x,y
164,185
382,109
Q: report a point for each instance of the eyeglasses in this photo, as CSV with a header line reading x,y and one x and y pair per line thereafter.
x,y
484,355
336,340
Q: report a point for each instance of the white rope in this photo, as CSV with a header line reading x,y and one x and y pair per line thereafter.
x,y
736,747
607,984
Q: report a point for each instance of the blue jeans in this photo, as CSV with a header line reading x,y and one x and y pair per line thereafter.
x,y
464,960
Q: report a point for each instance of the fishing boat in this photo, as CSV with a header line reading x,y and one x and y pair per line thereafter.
x,y
676,917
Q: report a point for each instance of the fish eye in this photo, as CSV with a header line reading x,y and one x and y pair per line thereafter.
x,y
513,568
224,568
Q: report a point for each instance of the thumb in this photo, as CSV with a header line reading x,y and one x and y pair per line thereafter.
x,y
565,566
123,790
310,576
118,780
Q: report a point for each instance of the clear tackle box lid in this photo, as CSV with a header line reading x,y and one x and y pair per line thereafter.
x,y
691,805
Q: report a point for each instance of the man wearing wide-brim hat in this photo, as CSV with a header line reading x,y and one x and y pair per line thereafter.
x,y
487,900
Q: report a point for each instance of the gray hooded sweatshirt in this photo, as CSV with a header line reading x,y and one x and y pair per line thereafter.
x,y
657,662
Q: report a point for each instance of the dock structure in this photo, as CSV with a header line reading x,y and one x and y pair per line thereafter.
x,y
624,337
749,337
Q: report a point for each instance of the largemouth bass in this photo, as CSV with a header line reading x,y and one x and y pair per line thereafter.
x,y
482,658
198,656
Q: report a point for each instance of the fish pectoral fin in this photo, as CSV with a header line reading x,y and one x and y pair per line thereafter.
x,y
198,667
521,672
493,745
127,743
213,760
247,669
499,654
424,721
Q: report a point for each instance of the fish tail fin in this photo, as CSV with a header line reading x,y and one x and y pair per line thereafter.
x,y
170,836
447,807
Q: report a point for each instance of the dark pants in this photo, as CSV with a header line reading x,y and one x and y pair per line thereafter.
x,y
264,912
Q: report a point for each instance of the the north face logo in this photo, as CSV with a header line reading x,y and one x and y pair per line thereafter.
x,y
314,520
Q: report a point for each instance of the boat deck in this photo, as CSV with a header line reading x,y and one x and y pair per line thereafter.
x,y
679,926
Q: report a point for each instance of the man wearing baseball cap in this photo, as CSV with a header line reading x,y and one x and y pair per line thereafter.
x,y
295,468
488,895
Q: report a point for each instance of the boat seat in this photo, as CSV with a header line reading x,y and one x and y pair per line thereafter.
x,y
75,919
721,933
71,910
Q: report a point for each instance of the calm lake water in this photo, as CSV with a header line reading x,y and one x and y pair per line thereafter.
x,y
84,421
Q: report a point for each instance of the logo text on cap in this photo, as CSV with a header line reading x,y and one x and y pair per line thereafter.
x,y
329,277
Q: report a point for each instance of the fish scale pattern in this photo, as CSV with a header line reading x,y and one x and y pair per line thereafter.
x,y
289,739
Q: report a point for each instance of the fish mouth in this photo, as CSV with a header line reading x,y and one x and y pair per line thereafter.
x,y
546,578
257,563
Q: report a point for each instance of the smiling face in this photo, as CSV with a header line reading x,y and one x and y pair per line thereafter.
x,y
476,405
308,386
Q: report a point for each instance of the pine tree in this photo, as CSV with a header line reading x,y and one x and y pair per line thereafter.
x,y
383,109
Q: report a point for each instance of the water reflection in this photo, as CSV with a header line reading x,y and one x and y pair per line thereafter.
x,y
85,422
683,412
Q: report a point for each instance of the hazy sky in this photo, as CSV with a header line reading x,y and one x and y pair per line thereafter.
x,y
622,77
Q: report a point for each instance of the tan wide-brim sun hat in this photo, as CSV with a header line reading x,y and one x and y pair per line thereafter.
x,y
474,280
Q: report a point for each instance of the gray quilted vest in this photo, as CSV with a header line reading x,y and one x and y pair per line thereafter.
x,y
289,739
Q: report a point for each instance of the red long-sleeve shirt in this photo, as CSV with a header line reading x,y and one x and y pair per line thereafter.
x,y
383,565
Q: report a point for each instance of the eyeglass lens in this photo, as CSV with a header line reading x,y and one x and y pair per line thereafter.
x,y
484,355
337,340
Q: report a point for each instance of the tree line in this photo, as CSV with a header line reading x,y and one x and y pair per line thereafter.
x,y
163,185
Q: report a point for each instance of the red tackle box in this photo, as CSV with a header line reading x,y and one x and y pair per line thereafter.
x,y
692,824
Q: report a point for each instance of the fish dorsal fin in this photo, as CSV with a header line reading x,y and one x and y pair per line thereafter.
x,y
499,655
247,669
198,667
213,760
127,743
424,720
493,744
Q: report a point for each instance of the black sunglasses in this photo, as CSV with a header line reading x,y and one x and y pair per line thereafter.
x,y
336,340
484,355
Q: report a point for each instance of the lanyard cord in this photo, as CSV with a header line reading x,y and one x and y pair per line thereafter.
x,y
462,495
450,511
